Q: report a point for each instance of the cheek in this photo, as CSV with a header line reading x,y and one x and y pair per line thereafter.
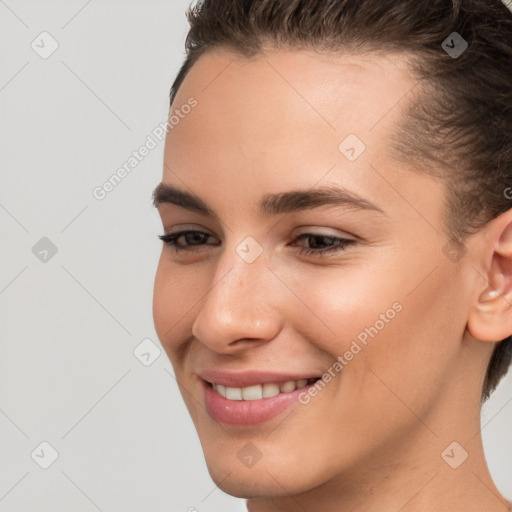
x,y
413,356
340,305
381,318
174,295
162,303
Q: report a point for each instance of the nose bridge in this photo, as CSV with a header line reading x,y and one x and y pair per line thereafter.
x,y
237,305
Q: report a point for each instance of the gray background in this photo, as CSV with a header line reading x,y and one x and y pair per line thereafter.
x,y
69,324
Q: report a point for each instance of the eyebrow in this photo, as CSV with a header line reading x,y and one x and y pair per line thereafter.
x,y
270,204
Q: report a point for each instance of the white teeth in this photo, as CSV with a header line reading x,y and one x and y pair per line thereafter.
x,y
287,386
259,391
252,392
233,393
270,390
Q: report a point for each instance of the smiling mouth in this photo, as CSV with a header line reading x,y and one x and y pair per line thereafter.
x,y
260,391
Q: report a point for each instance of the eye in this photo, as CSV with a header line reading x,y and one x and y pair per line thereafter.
x,y
191,238
319,244
323,244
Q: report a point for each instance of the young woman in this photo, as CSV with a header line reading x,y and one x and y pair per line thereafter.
x,y
335,286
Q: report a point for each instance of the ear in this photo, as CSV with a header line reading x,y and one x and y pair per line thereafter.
x,y
491,316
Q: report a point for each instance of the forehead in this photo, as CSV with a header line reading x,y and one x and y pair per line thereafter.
x,y
338,92
291,99
279,121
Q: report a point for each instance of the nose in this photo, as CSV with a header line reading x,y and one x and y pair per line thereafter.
x,y
240,309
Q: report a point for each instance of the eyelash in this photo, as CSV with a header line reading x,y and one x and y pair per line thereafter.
x,y
171,240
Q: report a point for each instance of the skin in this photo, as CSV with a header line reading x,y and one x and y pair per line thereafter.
x,y
372,439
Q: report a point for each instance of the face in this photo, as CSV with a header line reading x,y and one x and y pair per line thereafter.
x,y
305,251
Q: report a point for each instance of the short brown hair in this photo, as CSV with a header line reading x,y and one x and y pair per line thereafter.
x,y
459,119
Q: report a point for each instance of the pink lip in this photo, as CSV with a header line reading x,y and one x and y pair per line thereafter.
x,y
250,378
247,412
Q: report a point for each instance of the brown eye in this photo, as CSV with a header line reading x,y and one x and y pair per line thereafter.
x,y
322,244
191,238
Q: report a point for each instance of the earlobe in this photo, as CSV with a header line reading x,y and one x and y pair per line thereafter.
x,y
491,315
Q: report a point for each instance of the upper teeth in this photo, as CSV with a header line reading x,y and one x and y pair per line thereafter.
x,y
259,391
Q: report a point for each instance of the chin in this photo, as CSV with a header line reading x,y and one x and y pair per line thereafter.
x,y
254,483
271,476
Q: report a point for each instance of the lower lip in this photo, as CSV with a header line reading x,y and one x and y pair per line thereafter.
x,y
247,412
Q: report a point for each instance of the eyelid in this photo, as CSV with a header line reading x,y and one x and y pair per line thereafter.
x,y
299,230
323,231
188,227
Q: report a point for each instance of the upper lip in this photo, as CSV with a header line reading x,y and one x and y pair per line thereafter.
x,y
246,378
